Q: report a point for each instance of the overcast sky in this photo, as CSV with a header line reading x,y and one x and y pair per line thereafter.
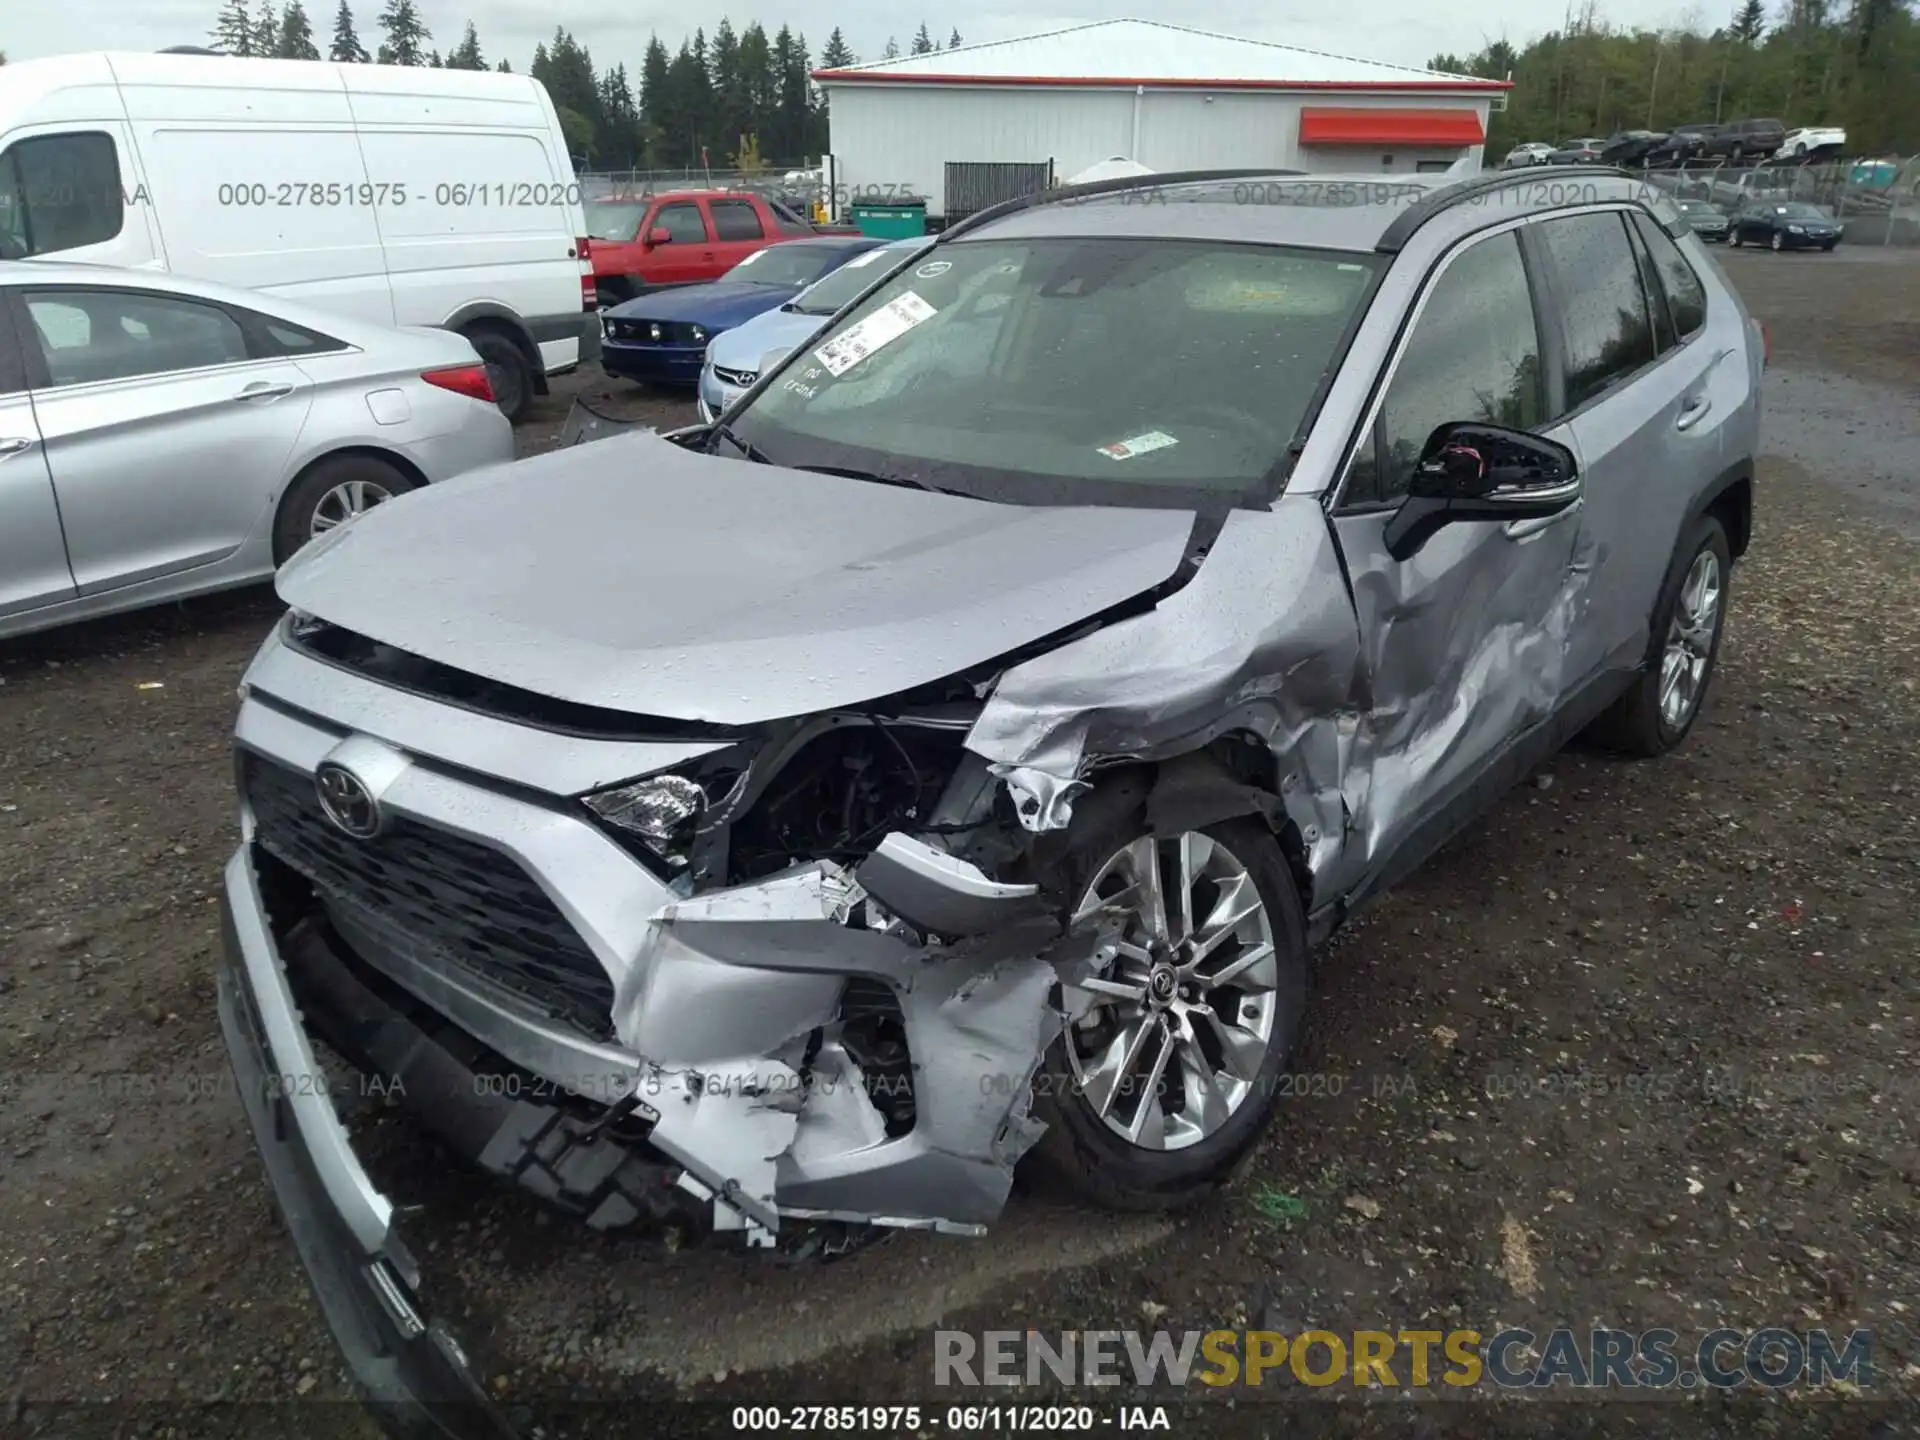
x,y
1407,31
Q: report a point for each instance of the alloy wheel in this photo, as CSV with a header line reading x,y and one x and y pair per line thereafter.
x,y
1690,636
1184,1014
344,501
1777,242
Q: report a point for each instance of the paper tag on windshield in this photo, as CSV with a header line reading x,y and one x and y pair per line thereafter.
x,y
883,327
1139,445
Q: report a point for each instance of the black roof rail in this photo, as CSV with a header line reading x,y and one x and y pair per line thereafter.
x,y
189,50
1106,187
1461,192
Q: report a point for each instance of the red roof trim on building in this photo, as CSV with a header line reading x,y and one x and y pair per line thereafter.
x,y
1116,82
1357,125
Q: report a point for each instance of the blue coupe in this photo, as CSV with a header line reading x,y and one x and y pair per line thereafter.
x,y
662,337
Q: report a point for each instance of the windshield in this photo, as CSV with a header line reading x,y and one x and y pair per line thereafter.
x,y
848,281
612,220
790,264
1068,371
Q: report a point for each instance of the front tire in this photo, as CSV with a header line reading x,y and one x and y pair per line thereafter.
x,y
1733,239
331,493
1656,714
1155,1095
1777,242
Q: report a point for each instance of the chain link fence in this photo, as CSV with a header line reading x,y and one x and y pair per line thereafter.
x,y
1878,197
770,180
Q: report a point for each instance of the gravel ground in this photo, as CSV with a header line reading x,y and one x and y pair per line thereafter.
x,y
1640,1048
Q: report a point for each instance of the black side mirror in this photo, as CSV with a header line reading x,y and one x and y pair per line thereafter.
x,y
1469,472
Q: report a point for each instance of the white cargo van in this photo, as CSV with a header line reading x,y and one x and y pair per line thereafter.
x,y
407,196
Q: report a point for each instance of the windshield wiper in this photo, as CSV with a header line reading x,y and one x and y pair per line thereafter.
x,y
747,449
847,472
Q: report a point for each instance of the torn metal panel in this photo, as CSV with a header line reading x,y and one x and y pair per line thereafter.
x,y
978,1017
1263,639
938,893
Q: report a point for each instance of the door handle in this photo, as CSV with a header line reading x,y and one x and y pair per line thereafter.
x,y
1692,412
265,390
14,444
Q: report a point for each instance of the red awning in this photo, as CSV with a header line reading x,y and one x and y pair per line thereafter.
x,y
1355,125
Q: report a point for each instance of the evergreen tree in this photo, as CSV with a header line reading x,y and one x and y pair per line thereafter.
x,y
654,102
620,118
1749,21
837,55
566,70
346,48
892,52
233,30
466,55
732,98
406,34
922,41
953,40
504,68
266,31
296,35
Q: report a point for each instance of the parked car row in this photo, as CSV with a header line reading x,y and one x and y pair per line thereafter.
x,y
684,237
1734,142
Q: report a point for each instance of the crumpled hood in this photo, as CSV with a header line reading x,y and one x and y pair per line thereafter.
x,y
637,575
725,303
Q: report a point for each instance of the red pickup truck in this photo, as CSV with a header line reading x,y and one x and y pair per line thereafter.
x,y
685,237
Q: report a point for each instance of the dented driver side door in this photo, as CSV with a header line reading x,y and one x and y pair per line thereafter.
x,y
1463,643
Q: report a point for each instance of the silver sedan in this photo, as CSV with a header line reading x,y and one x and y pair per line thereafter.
x,y
163,437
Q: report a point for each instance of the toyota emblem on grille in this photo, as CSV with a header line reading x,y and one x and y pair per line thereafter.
x,y
347,802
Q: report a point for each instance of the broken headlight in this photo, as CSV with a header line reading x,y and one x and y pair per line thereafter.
x,y
661,812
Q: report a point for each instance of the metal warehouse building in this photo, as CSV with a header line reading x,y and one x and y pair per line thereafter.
x,y
964,128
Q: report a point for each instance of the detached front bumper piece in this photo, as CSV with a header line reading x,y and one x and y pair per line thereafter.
x,y
412,1373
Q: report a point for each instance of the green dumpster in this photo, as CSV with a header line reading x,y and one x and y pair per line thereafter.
x,y
890,219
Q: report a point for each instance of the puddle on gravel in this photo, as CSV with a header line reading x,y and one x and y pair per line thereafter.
x,y
1855,435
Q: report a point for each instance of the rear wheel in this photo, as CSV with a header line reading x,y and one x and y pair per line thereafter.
x,y
507,369
1656,714
330,494
1154,1095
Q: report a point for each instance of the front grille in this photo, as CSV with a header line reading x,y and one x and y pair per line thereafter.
x,y
454,902
740,378
640,332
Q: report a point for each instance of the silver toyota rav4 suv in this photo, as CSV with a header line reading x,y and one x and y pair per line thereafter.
x,y
947,760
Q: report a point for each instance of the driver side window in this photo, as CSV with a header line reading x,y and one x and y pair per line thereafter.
x,y
682,222
1474,354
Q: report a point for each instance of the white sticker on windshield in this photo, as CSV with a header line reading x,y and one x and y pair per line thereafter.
x,y
883,327
1139,445
933,269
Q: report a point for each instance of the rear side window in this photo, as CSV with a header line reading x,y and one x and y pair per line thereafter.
x,y
1686,296
93,335
59,192
1604,322
682,222
1474,354
273,337
735,220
